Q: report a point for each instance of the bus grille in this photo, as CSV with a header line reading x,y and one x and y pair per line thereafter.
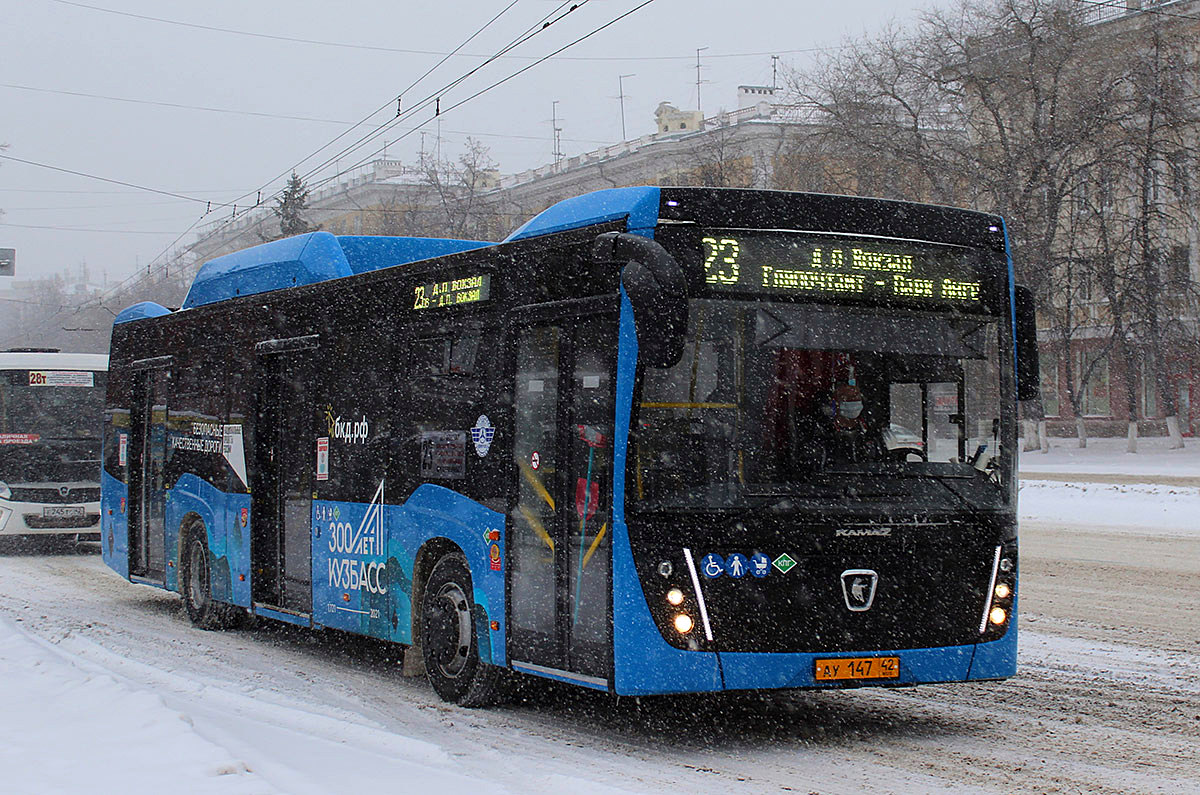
x,y
52,496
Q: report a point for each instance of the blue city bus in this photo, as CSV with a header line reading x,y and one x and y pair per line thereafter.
x,y
658,440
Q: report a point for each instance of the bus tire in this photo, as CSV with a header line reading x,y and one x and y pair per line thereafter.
x,y
449,644
196,587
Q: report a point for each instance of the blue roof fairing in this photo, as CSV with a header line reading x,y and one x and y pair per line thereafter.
x,y
139,311
639,205
320,256
308,259
366,253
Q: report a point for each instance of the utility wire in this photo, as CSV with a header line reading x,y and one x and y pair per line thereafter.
x,y
111,181
348,45
221,227
503,80
236,112
545,23
170,104
81,229
434,97
99,301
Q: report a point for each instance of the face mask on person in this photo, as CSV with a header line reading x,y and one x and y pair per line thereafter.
x,y
851,409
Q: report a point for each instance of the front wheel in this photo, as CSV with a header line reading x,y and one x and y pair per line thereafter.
x,y
449,643
197,586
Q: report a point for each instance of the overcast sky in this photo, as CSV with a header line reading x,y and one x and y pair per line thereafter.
x,y
96,87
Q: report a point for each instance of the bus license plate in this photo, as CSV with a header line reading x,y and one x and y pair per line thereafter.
x,y
62,511
830,670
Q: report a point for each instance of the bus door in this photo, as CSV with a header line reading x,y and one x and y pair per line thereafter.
x,y
147,487
559,538
281,488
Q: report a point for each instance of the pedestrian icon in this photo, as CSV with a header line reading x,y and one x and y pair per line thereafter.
x,y
736,565
785,562
712,565
760,565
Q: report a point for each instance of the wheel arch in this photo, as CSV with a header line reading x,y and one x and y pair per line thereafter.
x,y
427,557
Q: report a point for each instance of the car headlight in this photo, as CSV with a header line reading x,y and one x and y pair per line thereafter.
x,y
5,491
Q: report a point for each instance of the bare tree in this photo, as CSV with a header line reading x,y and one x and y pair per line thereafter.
x,y
1157,134
457,193
1001,105
715,159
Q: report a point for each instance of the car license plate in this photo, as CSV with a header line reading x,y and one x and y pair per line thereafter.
x,y
62,511
831,670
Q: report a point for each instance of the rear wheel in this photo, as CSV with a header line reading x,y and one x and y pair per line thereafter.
x,y
449,643
197,586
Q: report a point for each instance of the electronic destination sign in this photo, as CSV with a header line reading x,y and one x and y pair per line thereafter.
x,y
452,292
775,263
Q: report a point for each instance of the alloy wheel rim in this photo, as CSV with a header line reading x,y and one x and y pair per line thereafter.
x,y
453,623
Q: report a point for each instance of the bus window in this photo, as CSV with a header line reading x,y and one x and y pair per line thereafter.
x,y
532,542
590,485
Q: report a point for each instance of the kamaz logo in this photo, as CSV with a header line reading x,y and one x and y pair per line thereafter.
x,y
850,532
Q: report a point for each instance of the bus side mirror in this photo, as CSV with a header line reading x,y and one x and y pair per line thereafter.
x,y
1028,375
657,290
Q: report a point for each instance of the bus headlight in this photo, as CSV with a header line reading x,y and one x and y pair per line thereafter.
x,y
675,597
683,623
1000,598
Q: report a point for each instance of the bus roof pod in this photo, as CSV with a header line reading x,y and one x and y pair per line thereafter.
x,y
308,259
139,311
321,256
638,204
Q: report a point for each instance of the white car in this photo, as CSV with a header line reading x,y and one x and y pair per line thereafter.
x,y
905,441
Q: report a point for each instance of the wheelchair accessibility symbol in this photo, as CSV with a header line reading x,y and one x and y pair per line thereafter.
x,y
712,565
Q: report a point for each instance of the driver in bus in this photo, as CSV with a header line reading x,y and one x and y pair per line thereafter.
x,y
847,435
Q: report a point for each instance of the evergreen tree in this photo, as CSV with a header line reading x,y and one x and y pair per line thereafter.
x,y
290,208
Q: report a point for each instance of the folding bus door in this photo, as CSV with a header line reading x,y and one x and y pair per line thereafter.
x,y
148,465
281,487
560,522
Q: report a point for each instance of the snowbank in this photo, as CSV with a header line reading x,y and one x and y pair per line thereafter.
x,y
1169,510
1108,456
66,729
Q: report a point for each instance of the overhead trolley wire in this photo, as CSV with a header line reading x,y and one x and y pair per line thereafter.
x,y
99,300
434,97
503,80
386,105
150,265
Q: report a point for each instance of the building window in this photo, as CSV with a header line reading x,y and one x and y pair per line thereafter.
x,y
1096,398
1049,371
1179,266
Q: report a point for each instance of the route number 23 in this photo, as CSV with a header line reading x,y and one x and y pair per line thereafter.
x,y
721,260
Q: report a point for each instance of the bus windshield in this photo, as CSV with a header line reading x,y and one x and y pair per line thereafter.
x,y
788,401
50,425
68,408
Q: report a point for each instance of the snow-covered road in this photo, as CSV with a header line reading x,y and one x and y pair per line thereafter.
x,y
105,687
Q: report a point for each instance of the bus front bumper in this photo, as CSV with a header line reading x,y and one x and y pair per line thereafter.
x,y
31,518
